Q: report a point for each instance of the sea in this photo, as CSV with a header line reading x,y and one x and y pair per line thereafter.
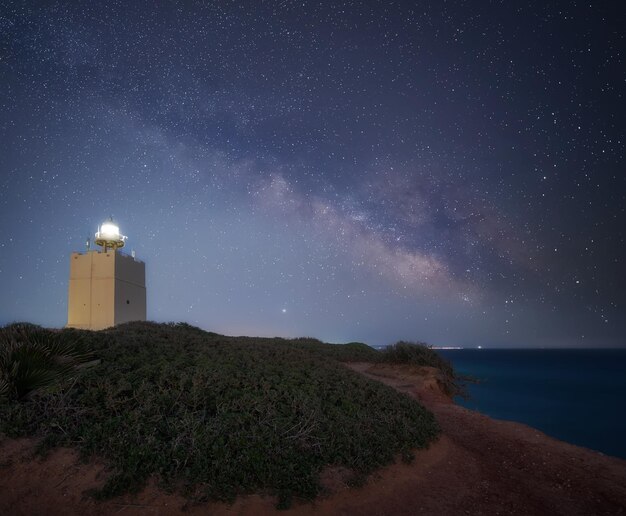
x,y
575,395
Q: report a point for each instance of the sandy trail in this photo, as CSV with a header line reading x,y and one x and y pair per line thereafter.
x,y
479,466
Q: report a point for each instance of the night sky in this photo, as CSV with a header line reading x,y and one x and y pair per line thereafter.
x,y
450,172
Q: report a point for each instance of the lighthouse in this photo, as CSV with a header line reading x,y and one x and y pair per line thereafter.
x,y
107,287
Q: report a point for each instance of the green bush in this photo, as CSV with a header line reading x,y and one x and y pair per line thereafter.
x,y
217,416
351,352
420,354
32,358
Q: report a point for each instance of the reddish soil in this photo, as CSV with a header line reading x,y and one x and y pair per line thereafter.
x,y
479,466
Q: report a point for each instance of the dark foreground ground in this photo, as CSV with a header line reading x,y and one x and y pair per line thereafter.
x,y
479,466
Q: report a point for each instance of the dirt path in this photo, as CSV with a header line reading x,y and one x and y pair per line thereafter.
x,y
479,466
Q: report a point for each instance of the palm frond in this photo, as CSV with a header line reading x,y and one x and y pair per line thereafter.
x,y
32,358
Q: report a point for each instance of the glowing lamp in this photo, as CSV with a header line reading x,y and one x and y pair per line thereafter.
x,y
108,236
108,229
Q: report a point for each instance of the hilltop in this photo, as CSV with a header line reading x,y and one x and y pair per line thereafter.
x,y
214,416
173,419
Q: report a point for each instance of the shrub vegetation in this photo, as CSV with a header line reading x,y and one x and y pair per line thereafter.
x,y
216,416
32,359
420,354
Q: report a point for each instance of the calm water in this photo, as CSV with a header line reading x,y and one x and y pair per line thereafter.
x,y
578,396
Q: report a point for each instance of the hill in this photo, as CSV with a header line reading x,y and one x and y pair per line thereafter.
x,y
215,416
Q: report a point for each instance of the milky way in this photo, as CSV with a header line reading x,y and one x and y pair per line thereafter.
x,y
451,172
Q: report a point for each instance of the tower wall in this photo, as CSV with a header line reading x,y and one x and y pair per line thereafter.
x,y
105,289
79,296
130,289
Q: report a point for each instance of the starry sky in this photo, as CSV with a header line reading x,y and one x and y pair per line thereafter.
x,y
449,172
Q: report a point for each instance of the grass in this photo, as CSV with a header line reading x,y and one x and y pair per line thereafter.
x,y
215,416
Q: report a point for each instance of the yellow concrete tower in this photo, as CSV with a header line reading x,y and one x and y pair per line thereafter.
x,y
107,287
